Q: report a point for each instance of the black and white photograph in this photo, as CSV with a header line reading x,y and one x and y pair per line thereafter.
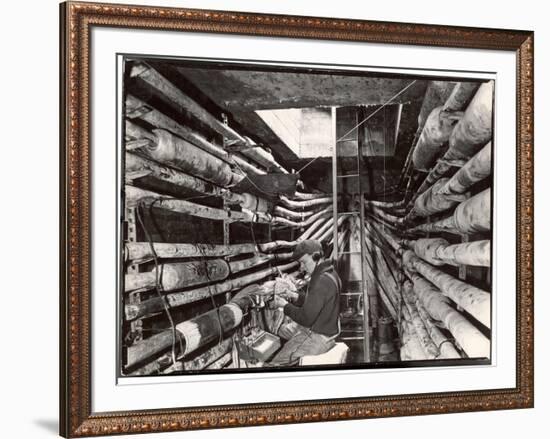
x,y
287,217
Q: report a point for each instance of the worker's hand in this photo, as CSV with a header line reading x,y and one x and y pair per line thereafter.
x,y
284,284
278,302
291,295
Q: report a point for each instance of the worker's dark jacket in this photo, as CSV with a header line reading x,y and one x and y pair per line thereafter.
x,y
321,303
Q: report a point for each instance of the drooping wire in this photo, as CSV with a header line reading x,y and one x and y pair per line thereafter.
x,y
343,138
377,110
159,271
271,194
158,284
447,340
208,285
203,260
253,234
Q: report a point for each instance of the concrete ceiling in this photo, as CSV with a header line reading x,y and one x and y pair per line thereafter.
x,y
241,92
259,90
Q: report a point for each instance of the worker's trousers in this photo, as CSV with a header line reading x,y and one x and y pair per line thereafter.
x,y
303,342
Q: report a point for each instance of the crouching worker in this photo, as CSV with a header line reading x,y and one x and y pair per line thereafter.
x,y
315,323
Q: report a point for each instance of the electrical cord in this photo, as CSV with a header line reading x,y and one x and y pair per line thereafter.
x,y
447,340
158,270
158,286
271,194
212,299
208,285
342,138
252,234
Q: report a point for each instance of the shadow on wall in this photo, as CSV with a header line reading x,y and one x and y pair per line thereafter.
x,y
50,425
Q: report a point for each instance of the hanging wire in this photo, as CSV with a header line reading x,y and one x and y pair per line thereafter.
x,y
158,285
342,138
205,263
271,194
377,110
158,270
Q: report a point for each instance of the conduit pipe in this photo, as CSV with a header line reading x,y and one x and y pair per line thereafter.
x,y
474,300
411,349
245,264
135,108
342,241
193,333
135,196
436,94
470,339
475,129
386,205
381,274
434,137
472,132
286,213
386,279
155,304
173,151
204,360
176,275
139,251
446,347
312,230
392,225
431,201
422,334
323,236
470,216
221,362
305,203
249,202
259,155
276,245
137,167
258,217
476,169
166,89
326,226
438,251
322,213
439,126
329,233
384,216
461,95
309,196
210,356
208,327
385,234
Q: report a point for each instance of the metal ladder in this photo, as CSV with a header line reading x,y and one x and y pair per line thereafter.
x,y
356,214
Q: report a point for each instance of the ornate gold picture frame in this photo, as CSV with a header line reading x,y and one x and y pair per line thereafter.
x,y
77,416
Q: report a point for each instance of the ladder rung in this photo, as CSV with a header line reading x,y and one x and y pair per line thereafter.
x,y
352,338
351,294
349,213
348,175
349,253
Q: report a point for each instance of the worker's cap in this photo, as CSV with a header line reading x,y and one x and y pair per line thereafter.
x,y
307,247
